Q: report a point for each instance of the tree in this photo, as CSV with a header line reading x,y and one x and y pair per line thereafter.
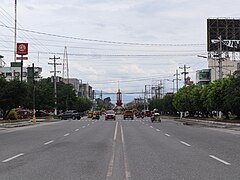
x,y
13,94
83,104
232,96
215,95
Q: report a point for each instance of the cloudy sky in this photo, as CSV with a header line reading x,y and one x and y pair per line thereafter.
x,y
135,42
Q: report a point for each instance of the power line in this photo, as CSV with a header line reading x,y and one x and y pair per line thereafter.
x,y
96,40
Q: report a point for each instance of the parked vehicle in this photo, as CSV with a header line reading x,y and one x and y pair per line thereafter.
x,y
110,115
42,113
24,114
128,114
155,117
72,114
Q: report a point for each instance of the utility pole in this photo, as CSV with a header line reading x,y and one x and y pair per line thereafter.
x,y
177,79
15,33
173,85
184,73
55,80
101,95
220,59
145,97
34,98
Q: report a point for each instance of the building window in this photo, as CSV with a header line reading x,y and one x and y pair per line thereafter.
x,y
17,74
8,74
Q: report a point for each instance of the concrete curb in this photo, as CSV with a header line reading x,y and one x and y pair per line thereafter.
x,y
209,122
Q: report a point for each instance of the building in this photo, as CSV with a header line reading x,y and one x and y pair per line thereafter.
x,y
228,67
74,82
86,91
203,77
14,72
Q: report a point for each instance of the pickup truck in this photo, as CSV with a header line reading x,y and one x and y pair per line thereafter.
x,y
72,114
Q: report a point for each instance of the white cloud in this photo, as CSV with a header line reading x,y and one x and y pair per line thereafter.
x,y
143,21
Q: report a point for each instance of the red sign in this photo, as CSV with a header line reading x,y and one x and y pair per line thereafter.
x,y
22,48
22,58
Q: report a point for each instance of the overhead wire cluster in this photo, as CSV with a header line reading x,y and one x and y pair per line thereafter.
x,y
45,44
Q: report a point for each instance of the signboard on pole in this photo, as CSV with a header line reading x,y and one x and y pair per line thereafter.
x,y
22,48
21,58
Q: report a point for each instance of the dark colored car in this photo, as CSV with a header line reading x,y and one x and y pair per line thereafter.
x,y
72,114
42,113
24,114
128,114
110,115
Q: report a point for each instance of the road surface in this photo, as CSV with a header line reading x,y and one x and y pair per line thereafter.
x,y
116,150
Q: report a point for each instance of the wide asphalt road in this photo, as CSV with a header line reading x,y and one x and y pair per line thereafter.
x,y
117,150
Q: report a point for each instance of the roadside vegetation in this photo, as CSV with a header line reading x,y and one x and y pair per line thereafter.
x,y
15,94
204,101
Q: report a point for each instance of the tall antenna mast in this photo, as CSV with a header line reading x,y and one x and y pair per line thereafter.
x,y
65,72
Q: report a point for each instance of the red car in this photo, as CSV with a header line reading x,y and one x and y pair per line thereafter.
x,y
110,115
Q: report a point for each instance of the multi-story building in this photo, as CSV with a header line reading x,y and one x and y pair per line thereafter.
x,y
74,82
228,67
86,91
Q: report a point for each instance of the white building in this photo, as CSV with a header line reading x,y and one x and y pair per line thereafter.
x,y
14,72
228,67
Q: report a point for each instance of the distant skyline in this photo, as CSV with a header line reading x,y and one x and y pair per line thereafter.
x,y
170,33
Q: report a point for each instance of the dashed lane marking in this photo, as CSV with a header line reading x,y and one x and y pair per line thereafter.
x,y
167,135
186,144
11,158
220,160
157,129
76,129
49,142
66,135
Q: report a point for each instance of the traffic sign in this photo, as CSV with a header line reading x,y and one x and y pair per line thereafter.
x,y
22,48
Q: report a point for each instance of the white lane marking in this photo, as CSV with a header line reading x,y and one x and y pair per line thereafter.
x,y
88,125
127,172
151,127
11,158
110,166
83,126
186,144
157,129
220,160
66,135
49,142
115,133
76,129
167,135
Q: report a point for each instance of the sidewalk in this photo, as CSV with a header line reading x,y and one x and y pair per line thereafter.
x,y
25,123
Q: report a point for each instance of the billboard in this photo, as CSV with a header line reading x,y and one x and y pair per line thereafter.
x,y
228,29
